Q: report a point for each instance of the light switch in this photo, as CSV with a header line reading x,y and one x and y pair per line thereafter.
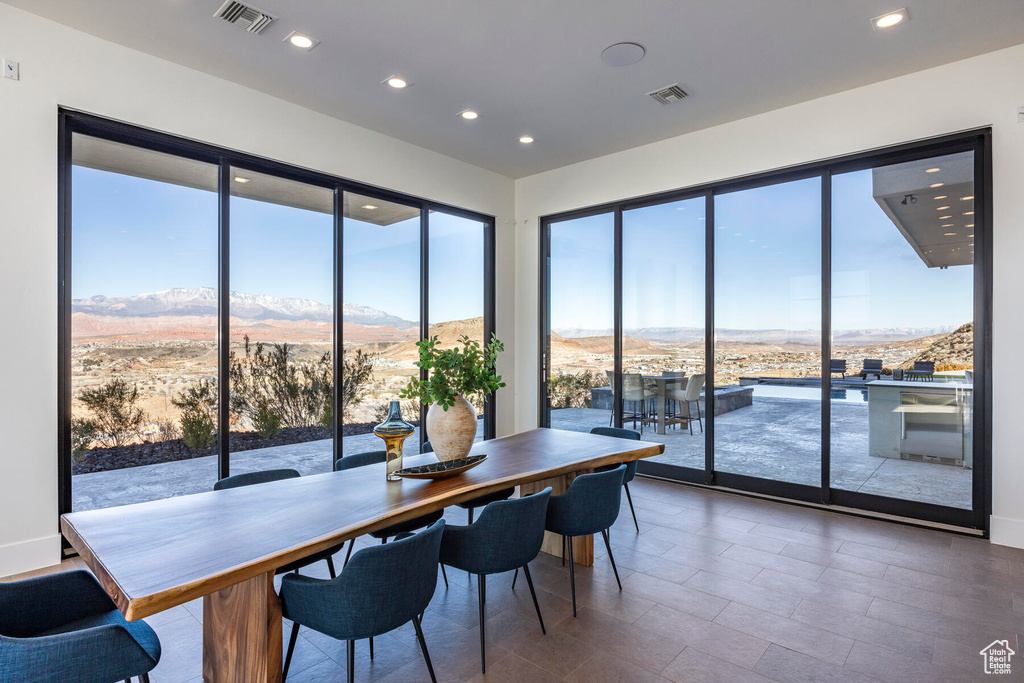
x,y
11,70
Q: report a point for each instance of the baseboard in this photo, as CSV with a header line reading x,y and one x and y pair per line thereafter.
x,y
1007,531
25,556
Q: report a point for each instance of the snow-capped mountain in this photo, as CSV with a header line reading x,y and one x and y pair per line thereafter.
x,y
202,301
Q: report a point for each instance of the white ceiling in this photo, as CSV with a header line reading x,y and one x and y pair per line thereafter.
x,y
534,66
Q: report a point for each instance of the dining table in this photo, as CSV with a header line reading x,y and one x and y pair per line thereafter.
x,y
224,546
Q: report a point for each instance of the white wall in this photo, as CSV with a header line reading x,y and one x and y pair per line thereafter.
x,y
58,68
976,92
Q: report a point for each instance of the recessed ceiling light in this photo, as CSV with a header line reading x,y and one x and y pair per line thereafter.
x,y
967,198
968,213
942,218
932,170
526,139
942,208
949,234
468,114
889,19
301,40
396,82
970,225
941,196
622,54
936,184
948,225
369,207
240,179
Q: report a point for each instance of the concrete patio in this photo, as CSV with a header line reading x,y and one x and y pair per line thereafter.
x,y
780,438
165,480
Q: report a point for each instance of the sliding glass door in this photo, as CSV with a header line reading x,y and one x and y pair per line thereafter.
x,y
768,332
579,361
903,330
222,313
845,307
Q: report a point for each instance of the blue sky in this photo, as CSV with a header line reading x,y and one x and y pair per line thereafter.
x,y
132,236
767,265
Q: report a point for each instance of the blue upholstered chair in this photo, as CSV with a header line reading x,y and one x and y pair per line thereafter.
x,y
507,536
379,589
64,627
371,458
263,477
590,505
481,501
630,466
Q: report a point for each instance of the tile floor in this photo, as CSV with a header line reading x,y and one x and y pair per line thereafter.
x,y
716,587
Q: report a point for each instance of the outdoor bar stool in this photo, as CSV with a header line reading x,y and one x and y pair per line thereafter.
x,y
508,535
262,477
64,627
380,589
591,505
481,501
630,466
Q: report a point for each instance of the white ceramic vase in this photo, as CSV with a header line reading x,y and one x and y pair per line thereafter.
x,y
451,432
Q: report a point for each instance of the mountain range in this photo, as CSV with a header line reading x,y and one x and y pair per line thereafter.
x,y
202,301
683,335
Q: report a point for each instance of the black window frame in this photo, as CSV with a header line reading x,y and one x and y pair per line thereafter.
x,y
71,122
976,519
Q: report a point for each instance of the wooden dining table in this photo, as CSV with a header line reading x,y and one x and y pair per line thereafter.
x,y
225,546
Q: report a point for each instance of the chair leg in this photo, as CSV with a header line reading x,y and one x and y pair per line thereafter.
x,y
384,540
630,499
423,648
608,547
144,678
514,577
330,567
470,515
291,649
482,592
445,575
699,420
349,553
371,649
529,582
563,550
572,577
351,661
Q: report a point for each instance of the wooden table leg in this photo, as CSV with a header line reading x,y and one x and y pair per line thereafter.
x,y
242,633
583,546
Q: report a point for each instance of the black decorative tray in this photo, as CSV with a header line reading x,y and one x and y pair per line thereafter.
x,y
441,470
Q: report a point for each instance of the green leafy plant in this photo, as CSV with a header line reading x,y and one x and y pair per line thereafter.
x,y
266,422
116,415
468,370
83,433
198,404
567,390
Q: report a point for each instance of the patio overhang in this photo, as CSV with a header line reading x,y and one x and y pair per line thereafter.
x,y
929,206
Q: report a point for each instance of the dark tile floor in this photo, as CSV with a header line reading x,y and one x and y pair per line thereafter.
x,y
716,587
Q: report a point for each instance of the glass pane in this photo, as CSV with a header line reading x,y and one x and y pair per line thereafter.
x,y
581,306
768,332
456,303
663,324
282,324
902,321
143,325
381,314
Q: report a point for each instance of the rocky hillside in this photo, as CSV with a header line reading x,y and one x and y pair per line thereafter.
x,y
955,348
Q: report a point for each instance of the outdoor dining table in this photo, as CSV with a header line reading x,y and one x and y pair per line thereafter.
x,y
224,546
662,402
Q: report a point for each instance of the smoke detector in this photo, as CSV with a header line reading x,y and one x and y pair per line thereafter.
x,y
668,94
251,19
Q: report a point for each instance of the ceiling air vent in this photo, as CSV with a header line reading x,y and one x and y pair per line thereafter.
x,y
668,95
251,19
